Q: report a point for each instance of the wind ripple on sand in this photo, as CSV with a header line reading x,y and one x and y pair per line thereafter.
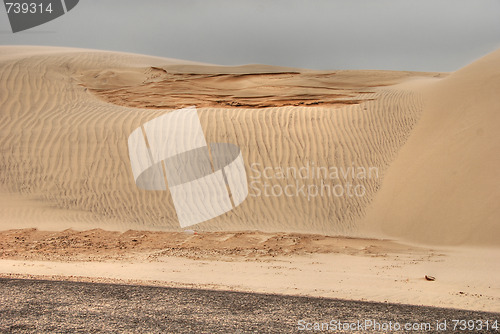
x,y
63,146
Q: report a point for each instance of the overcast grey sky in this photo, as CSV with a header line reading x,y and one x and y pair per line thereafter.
x,y
424,35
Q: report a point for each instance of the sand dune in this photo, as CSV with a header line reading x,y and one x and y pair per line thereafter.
x,y
444,187
423,147
65,116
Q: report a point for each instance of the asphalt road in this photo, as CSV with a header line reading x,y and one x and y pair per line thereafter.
x,y
28,306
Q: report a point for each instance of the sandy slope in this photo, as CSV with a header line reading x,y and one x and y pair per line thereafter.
x,y
444,187
65,148
65,159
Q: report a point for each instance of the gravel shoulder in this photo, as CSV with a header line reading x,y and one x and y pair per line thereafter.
x,y
44,306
